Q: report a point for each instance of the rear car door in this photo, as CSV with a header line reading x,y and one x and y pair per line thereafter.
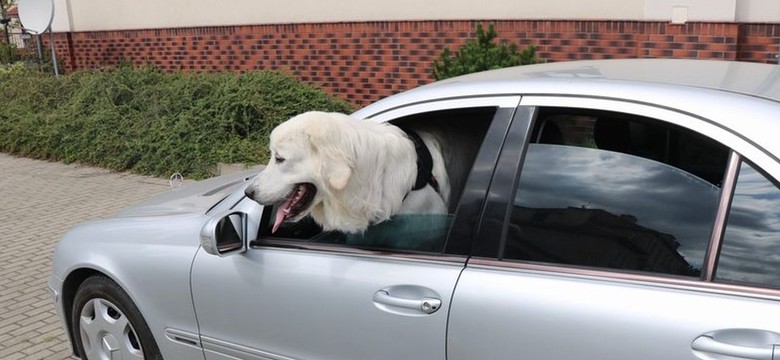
x,y
302,294
610,233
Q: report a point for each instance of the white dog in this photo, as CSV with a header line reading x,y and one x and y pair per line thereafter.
x,y
348,174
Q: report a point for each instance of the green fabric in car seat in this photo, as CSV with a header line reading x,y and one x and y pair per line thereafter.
x,y
420,232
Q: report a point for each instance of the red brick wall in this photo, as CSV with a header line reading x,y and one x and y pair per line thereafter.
x,y
363,62
758,42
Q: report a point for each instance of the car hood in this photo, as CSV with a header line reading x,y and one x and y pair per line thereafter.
x,y
196,197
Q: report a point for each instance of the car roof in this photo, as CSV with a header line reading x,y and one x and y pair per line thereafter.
x,y
753,79
750,79
743,98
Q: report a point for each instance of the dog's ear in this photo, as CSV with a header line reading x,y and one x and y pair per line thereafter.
x,y
332,148
337,174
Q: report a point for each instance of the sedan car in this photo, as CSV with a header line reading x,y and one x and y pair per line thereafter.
x,y
615,209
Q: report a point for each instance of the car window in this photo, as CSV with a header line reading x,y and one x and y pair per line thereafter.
x,y
612,190
461,131
751,244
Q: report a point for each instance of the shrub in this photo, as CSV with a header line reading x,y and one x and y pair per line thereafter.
x,y
482,54
7,53
150,122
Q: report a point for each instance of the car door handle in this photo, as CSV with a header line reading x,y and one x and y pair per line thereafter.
x,y
707,344
425,305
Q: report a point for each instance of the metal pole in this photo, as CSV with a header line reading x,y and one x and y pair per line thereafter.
x,y
5,20
40,51
53,54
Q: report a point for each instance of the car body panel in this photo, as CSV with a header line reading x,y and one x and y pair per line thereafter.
x,y
152,266
290,301
560,311
196,197
560,316
329,312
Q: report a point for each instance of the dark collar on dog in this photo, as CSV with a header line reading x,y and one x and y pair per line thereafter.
x,y
424,163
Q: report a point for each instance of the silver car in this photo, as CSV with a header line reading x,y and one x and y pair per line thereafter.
x,y
617,209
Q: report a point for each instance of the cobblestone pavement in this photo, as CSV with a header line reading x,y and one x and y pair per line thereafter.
x,y
39,201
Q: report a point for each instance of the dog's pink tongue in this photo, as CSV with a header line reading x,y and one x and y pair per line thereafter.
x,y
281,213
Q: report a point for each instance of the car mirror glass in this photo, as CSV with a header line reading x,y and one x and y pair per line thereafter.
x,y
225,234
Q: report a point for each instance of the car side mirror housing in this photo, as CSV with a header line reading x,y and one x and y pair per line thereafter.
x,y
225,234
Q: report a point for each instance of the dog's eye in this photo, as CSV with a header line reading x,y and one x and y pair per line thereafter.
x,y
278,159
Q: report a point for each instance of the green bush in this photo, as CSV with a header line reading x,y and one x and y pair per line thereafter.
x,y
7,53
482,54
150,122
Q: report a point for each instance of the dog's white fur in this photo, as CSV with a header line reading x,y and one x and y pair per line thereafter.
x,y
363,171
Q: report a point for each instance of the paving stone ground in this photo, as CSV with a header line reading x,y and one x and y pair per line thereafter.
x,y
39,201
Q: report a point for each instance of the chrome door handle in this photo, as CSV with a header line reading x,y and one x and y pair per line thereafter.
x,y
425,305
707,344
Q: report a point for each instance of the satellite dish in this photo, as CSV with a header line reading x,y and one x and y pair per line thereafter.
x,y
36,15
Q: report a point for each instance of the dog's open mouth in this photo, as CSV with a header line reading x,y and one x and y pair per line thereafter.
x,y
297,201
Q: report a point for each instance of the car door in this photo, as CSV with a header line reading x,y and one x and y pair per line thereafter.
x,y
300,294
607,235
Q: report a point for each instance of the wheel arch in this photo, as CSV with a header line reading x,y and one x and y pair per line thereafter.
x,y
69,288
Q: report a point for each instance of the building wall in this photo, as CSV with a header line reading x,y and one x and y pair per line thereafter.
x,y
102,15
365,50
96,15
758,11
365,61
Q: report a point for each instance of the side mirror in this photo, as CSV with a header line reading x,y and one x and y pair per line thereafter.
x,y
225,234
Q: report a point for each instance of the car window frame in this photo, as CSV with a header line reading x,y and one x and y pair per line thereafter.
x,y
503,187
461,234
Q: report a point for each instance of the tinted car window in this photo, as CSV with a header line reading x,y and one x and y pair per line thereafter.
x,y
750,252
615,191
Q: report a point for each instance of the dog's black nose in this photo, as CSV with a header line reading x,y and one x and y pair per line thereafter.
x,y
250,192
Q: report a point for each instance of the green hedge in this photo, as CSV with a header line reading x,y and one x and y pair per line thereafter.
x,y
150,122
481,54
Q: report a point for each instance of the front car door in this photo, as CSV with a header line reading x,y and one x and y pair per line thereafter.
x,y
607,235
301,295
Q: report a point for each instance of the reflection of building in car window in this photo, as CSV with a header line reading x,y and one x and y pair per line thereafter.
x,y
565,129
633,135
592,237
751,242
612,207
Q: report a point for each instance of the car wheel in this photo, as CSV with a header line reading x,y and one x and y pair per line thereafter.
x,y
107,325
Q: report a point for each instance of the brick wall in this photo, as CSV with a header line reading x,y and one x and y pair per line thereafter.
x,y
365,61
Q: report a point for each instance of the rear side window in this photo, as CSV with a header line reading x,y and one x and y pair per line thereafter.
x,y
750,252
611,190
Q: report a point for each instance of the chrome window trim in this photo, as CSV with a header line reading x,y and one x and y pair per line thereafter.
x,y
716,240
499,101
643,279
309,248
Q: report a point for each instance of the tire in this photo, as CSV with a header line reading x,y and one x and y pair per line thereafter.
x,y
105,321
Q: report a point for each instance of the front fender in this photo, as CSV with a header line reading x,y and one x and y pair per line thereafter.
x,y
149,257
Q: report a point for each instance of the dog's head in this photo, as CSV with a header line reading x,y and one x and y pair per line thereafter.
x,y
308,163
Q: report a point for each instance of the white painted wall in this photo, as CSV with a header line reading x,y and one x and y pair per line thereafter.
x,y
758,11
696,10
94,15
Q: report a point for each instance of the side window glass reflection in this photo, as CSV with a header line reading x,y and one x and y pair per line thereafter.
x,y
751,242
616,191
